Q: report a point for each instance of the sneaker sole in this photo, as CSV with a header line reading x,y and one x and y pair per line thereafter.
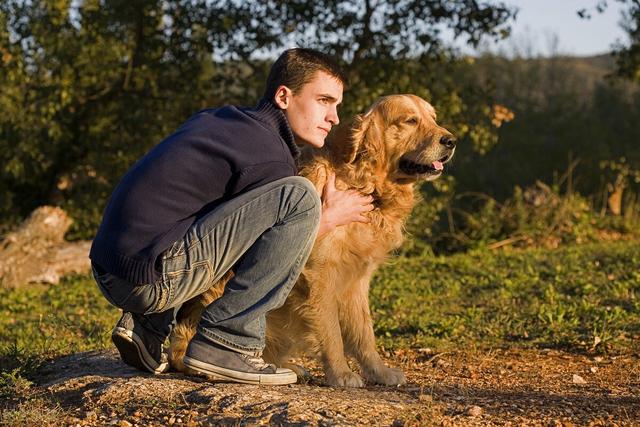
x,y
281,377
134,353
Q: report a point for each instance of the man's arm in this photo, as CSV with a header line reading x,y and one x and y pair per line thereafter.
x,y
341,207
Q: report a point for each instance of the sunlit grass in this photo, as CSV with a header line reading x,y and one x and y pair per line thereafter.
x,y
579,298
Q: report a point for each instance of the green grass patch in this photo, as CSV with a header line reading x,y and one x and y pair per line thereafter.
x,y
580,298
39,322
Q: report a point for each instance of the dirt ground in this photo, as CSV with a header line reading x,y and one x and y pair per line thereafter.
x,y
512,387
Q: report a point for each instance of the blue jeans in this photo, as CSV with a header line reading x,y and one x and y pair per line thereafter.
x,y
265,235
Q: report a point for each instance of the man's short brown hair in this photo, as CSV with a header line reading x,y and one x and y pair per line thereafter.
x,y
296,67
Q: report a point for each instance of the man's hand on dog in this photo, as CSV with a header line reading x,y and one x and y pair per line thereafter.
x,y
342,207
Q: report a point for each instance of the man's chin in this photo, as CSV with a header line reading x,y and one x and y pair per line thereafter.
x,y
316,143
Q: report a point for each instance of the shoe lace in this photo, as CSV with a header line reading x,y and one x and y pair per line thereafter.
x,y
257,362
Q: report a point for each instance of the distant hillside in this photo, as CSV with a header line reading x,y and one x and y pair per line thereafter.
x,y
565,107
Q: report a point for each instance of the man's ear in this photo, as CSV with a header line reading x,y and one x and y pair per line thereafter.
x,y
282,98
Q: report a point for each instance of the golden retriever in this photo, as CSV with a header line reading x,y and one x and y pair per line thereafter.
x,y
384,153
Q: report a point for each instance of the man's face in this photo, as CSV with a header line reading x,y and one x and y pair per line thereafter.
x,y
313,110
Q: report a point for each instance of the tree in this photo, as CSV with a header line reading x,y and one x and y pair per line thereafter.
x,y
89,86
627,54
87,89
386,47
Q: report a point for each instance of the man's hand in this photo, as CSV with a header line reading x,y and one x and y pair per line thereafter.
x,y
342,207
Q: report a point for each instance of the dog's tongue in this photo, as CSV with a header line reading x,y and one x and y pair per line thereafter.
x,y
437,165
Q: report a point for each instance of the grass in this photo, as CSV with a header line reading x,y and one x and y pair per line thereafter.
x,y
580,298
39,322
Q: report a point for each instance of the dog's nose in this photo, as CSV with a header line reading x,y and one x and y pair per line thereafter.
x,y
448,141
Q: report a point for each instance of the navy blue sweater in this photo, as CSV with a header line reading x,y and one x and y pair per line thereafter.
x,y
214,156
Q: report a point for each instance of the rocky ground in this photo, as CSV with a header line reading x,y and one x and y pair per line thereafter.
x,y
514,387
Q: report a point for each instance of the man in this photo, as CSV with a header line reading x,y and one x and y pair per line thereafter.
x,y
222,193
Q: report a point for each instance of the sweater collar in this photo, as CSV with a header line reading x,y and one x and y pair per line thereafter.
x,y
269,114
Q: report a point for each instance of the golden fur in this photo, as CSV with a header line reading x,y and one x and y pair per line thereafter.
x,y
327,313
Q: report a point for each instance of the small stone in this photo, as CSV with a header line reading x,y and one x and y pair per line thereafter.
x,y
441,363
577,379
474,411
172,421
597,359
593,369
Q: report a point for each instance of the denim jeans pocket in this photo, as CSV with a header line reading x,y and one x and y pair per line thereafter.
x,y
176,250
186,283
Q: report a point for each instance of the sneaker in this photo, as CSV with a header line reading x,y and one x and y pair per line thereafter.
x,y
222,364
139,347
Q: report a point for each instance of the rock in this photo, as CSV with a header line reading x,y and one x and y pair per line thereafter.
x,y
475,411
36,251
577,379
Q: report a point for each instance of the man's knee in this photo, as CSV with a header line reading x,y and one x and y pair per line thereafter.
x,y
304,197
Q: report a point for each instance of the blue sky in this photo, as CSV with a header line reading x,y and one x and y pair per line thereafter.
x,y
539,21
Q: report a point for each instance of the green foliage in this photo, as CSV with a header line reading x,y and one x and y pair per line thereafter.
x,y
628,56
565,111
627,53
89,87
538,216
434,197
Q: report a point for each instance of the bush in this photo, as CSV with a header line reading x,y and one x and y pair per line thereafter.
x,y
538,216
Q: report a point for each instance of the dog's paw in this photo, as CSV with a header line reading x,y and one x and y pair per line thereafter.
x,y
300,371
387,376
346,379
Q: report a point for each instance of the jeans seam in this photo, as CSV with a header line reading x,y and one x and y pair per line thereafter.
x,y
255,351
193,266
171,287
288,284
211,230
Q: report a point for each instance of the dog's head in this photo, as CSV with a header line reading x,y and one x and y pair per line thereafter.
x,y
400,138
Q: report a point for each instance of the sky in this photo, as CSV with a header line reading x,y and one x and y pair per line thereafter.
x,y
540,21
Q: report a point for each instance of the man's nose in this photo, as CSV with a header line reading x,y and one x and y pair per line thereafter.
x,y
333,117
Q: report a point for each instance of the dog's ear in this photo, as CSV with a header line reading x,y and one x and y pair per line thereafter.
x,y
365,139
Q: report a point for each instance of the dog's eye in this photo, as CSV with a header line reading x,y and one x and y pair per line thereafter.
x,y
412,121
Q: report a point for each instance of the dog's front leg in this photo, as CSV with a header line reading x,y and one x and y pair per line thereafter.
x,y
357,330
324,324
